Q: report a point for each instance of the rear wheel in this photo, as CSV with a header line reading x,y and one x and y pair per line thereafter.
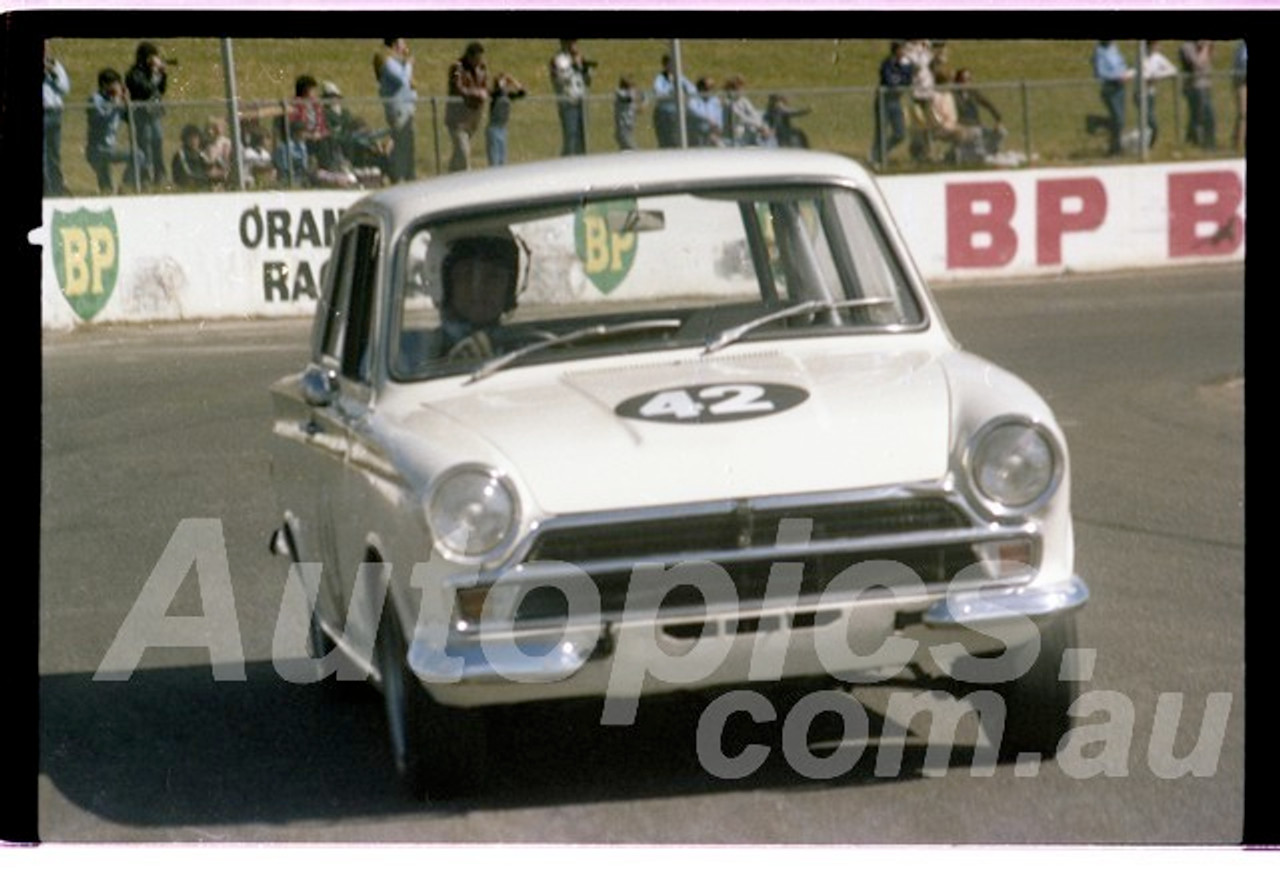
x,y
438,751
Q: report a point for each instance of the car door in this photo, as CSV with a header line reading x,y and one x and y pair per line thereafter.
x,y
344,347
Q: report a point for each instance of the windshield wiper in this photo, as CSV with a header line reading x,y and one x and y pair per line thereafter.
x,y
733,334
596,331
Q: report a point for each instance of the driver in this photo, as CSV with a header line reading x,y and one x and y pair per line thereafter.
x,y
479,286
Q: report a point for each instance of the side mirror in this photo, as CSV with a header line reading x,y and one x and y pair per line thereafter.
x,y
319,386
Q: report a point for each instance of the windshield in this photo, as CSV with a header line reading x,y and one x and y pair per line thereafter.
x,y
643,273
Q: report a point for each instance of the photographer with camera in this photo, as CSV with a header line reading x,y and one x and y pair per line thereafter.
x,y
146,83
570,77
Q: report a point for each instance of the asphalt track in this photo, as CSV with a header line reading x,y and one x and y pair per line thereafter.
x,y
145,427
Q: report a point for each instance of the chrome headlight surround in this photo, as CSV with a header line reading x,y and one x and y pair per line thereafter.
x,y
1014,465
473,513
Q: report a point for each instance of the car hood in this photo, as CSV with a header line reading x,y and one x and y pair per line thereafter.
x,y
721,426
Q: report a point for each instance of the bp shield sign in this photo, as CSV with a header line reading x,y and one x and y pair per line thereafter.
x,y
605,249
86,253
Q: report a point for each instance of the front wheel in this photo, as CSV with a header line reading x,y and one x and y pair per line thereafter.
x,y
1037,703
438,751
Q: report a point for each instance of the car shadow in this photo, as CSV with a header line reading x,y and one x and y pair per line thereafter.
x,y
171,747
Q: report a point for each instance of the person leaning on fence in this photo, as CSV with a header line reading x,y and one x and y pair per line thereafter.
x,y
706,115
1197,86
970,103
778,114
468,91
570,75
54,91
1112,74
146,83
1156,67
895,77
293,163
627,100
105,112
191,167
395,86
920,127
964,142
666,104
368,151
744,124
505,89
255,153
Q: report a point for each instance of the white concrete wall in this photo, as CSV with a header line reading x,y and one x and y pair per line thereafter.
x,y
208,256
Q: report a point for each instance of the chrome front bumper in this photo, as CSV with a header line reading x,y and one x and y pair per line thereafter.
x,y
865,636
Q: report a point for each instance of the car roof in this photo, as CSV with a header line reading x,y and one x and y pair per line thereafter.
x,y
607,173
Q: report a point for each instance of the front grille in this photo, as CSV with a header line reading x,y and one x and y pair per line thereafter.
x,y
742,527
727,554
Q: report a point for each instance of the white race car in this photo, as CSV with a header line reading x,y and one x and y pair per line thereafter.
x,y
616,425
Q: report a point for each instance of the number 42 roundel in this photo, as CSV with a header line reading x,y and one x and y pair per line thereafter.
x,y
712,403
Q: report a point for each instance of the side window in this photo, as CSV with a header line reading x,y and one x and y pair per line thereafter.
x,y
335,318
348,322
362,307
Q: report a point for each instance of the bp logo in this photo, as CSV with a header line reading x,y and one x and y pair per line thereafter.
x,y
86,252
605,244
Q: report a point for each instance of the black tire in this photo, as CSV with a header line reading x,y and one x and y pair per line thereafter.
x,y
438,752
1037,702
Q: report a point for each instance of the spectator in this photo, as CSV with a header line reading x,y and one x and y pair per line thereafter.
x,y
1156,67
667,105
1239,69
1112,73
505,89
217,145
627,100
308,109
191,167
965,141
293,163
367,151
102,149
146,83
570,78
970,101
921,55
395,86
895,77
778,113
468,90
706,115
255,151
744,123
1197,87
55,89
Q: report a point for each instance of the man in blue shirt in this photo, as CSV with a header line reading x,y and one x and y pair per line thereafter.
x,y
395,86
896,75
105,113
1112,72
667,108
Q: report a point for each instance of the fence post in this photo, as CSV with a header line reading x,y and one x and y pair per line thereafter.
x,y
288,141
233,110
435,132
881,160
134,152
1026,120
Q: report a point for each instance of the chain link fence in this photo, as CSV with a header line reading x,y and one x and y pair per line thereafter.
x,y
1041,123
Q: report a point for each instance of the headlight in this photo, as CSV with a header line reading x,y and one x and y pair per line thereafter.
x,y
1015,465
472,511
